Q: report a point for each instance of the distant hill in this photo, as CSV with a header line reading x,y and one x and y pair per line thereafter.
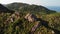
x,y
27,7
56,8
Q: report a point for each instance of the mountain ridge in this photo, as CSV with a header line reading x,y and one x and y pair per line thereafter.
x,y
5,9
27,7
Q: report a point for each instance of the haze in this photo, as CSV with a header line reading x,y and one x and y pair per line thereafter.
x,y
37,2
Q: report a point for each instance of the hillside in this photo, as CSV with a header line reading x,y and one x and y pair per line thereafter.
x,y
26,7
28,19
5,10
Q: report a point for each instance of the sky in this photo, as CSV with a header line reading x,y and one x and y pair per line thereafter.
x,y
37,2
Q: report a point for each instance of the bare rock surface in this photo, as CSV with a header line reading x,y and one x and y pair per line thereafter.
x,y
31,17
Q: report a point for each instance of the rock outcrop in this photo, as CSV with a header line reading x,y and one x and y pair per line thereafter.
x,y
14,17
30,17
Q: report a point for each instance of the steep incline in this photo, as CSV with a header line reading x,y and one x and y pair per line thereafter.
x,y
38,22
5,10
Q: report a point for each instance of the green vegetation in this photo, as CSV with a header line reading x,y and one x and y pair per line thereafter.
x,y
26,7
22,26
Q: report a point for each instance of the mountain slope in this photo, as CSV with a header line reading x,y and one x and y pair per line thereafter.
x,y
34,23
5,10
27,7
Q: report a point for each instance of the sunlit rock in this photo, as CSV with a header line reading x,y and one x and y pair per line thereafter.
x,y
31,17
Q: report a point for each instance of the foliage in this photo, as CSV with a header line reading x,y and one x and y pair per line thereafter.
x,y
22,7
23,26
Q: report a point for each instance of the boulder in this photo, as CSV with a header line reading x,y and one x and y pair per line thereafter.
x,y
31,17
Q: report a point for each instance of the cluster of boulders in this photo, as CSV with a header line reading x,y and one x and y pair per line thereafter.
x,y
13,17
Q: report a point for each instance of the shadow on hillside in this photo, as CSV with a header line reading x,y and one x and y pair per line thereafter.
x,y
45,23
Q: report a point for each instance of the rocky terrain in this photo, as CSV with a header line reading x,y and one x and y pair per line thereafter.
x,y
20,18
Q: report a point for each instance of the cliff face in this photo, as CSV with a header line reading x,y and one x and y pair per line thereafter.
x,y
5,10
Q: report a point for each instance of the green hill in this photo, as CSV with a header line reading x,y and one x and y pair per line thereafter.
x,y
26,7
29,19
5,10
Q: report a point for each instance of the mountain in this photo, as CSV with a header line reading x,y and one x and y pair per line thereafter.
x,y
27,7
28,19
5,10
56,8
